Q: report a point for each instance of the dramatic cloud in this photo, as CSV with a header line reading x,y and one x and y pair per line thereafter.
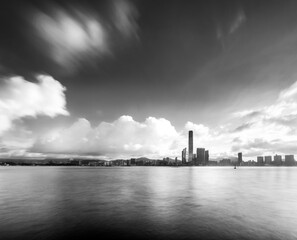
x,y
79,35
123,137
267,130
270,129
71,37
20,98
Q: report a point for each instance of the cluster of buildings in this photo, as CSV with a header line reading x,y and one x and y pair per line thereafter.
x,y
200,158
188,158
277,160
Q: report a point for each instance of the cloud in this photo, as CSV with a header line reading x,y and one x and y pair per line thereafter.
x,y
273,128
72,36
125,15
123,137
80,34
238,21
266,130
20,98
243,127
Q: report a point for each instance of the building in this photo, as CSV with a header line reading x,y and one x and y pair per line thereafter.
x,y
190,157
260,161
200,156
133,162
278,160
225,162
267,160
184,156
239,160
289,160
206,155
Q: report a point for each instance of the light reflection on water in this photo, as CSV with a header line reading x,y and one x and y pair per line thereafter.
x,y
148,202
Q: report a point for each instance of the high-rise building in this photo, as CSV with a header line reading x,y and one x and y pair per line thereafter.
x,y
190,158
289,160
184,156
206,157
267,160
277,160
200,156
239,161
260,160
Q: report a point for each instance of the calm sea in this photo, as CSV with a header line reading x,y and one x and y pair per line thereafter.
x,y
148,203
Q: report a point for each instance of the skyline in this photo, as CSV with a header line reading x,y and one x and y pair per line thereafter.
x,y
121,79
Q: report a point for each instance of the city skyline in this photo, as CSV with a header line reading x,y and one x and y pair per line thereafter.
x,y
120,79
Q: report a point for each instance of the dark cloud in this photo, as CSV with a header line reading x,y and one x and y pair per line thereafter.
x,y
243,127
64,36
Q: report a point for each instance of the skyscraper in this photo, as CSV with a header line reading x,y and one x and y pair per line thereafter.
x,y
184,154
206,155
289,160
190,158
277,160
260,161
239,159
268,160
200,156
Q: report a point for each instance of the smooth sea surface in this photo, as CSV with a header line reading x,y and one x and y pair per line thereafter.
x,y
148,203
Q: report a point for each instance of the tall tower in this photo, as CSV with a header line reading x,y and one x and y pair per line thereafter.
x,y
190,158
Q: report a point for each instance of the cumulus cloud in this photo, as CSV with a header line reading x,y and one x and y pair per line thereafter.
x,y
123,137
20,98
266,130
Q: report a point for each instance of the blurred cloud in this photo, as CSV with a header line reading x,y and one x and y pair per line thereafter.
x,y
125,15
239,20
71,37
79,35
21,98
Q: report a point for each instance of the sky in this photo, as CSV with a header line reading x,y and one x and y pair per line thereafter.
x,y
120,79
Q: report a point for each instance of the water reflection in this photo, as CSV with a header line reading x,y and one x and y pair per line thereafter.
x,y
148,202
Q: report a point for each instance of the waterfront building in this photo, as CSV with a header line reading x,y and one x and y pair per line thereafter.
x,y
133,162
260,160
239,161
206,155
200,156
289,160
190,157
278,160
268,160
225,162
184,156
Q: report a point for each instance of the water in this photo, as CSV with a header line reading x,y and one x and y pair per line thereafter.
x,y
148,203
